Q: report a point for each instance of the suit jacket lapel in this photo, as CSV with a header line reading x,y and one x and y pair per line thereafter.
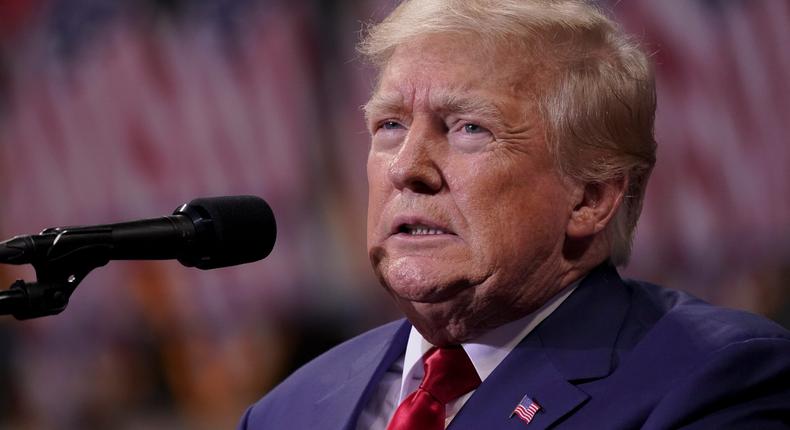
x,y
340,407
574,344
492,404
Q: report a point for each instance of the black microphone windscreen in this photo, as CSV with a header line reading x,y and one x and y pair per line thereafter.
x,y
244,230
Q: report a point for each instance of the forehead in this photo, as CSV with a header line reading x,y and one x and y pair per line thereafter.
x,y
439,70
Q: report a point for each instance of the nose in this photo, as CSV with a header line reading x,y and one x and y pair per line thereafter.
x,y
414,166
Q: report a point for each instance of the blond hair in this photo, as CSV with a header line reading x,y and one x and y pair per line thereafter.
x,y
598,108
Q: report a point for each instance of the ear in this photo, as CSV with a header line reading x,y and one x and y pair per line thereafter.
x,y
596,204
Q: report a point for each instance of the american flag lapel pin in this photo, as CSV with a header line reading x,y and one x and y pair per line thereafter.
x,y
526,409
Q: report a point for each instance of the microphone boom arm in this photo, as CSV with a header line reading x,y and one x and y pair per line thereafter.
x,y
70,258
206,233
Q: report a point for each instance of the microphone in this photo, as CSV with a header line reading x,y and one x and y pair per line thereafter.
x,y
206,233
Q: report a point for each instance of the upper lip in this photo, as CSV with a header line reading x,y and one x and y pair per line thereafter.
x,y
401,221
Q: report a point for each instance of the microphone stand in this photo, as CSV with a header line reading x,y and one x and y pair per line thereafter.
x,y
57,275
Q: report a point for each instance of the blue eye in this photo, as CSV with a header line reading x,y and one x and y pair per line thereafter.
x,y
473,128
390,125
469,137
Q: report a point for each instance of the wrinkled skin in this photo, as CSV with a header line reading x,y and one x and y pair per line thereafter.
x,y
458,150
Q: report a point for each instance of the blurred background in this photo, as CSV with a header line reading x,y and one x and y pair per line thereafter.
x,y
117,110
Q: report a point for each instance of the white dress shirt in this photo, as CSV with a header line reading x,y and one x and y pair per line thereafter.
x,y
486,352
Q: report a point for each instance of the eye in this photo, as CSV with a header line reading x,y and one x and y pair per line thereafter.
x,y
473,128
469,136
387,134
390,125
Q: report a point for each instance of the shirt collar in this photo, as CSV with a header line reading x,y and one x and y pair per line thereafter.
x,y
486,351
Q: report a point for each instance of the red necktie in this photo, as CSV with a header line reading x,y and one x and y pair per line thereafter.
x,y
449,374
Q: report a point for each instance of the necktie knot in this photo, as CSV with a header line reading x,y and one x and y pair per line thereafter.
x,y
449,374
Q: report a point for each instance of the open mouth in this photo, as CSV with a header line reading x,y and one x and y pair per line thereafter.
x,y
420,230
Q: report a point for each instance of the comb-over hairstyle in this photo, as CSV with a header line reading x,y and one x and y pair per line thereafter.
x,y
599,105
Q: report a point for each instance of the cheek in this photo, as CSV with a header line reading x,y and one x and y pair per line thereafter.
x,y
510,215
535,222
377,169
378,189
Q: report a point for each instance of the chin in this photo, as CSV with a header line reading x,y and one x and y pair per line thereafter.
x,y
420,283
444,323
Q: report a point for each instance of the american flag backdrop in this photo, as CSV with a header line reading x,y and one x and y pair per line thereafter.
x,y
717,215
112,111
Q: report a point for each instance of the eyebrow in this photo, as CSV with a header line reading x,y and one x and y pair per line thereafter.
x,y
387,102
459,104
442,101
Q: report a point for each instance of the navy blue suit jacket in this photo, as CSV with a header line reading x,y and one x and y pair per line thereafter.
x,y
615,355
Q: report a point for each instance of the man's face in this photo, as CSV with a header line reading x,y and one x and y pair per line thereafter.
x,y
467,213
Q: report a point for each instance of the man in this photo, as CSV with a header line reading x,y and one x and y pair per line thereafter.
x,y
511,145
